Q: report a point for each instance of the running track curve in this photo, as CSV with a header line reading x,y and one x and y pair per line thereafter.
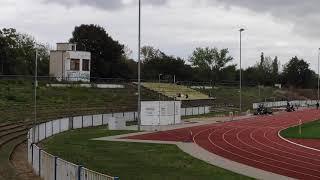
x,y
255,142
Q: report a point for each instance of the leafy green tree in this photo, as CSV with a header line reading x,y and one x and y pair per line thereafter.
x,y
297,73
149,53
275,69
156,62
210,60
229,73
106,53
17,54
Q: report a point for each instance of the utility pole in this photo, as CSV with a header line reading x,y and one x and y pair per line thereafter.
x,y
318,74
139,69
241,30
35,96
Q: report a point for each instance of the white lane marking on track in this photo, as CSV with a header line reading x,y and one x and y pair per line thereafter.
x,y
286,123
297,143
279,135
265,136
263,156
254,159
284,157
272,147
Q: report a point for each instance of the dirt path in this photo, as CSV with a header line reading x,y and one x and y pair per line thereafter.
x,y
19,161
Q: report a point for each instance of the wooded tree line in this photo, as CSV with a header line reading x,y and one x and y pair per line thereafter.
x,y
111,59
17,54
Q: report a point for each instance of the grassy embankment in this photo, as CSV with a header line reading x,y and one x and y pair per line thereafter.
x,y
17,101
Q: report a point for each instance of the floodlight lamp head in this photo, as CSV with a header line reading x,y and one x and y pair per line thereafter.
x,y
241,30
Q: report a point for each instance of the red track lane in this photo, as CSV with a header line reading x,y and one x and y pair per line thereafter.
x,y
254,142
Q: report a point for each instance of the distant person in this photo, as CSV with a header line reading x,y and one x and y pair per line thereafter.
x,y
187,96
317,105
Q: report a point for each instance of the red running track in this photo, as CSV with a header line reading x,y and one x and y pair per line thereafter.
x,y
254,142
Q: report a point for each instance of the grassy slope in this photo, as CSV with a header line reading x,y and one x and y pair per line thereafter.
x,y
309,131
132,160
230,95
16,100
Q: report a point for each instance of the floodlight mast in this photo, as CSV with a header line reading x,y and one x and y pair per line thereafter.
x,y
318,75
35,95
240,98
139,69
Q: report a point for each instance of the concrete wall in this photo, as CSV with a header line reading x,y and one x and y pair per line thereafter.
x,y
56,62
300,103
66,46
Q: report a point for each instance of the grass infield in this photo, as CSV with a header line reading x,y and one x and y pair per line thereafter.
x,y
131,160
308,131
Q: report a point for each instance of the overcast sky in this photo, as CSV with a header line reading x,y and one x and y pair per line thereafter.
x,y
283,28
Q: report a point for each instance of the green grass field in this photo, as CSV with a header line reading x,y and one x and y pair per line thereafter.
x,y
308,131
132,161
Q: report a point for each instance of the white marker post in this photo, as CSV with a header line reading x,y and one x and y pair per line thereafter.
x,y
300,124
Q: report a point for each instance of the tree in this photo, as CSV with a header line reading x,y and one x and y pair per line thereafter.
x,y
275,69
149,53
17,54
261,59
156,62
210,60
106,53
297,73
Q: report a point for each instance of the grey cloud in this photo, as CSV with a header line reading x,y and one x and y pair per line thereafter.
x,y
304,15
104,4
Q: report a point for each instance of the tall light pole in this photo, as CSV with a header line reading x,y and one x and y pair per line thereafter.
x,y
241,30
139,69
159,76
35,95
159,97
318,74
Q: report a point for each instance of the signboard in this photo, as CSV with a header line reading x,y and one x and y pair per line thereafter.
x,y
160,113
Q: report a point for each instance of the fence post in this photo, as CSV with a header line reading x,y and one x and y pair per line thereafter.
x,y
70,123
79,172
59,125
55,167
81,121
45,130
40,161
32,154
102,120
38,126
91,120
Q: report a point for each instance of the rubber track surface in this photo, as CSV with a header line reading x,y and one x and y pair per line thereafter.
x,y
254,142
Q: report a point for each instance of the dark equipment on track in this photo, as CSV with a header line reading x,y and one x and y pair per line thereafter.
x,y
262,110
290,108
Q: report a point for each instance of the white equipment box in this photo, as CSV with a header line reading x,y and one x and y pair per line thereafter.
x,y
160,113
116,123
